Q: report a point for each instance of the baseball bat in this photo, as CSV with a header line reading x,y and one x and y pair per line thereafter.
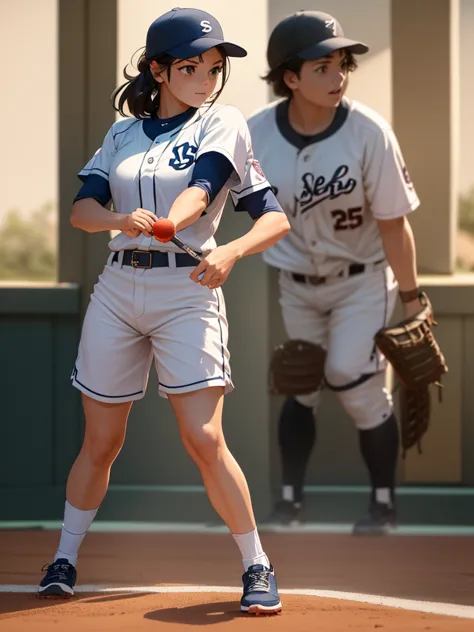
x,y
164,228
178,242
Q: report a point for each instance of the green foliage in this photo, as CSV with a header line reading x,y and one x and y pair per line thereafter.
x,y
466,212
28,242
465,236
462,267
28,245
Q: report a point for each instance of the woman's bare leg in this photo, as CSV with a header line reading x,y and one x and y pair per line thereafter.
x,y
199,416
86,487
104,436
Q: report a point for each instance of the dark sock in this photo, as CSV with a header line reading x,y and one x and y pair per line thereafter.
x,y
296,436
379,448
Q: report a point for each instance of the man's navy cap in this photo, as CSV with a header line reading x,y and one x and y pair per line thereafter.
x,y
308,35
186,33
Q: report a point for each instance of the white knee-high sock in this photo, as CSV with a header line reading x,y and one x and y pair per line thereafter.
x,y
75,526
251,549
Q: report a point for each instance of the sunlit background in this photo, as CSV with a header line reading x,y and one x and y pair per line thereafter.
x,y
28,108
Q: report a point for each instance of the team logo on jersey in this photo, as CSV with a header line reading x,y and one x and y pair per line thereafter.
x,y
184,156
317,189
258,168
406,177
206,26
405,172
331,25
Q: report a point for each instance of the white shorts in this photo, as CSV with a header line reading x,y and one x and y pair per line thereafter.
x,y
136,315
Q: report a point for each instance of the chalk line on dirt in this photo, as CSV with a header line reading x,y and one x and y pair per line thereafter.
x,y
428,607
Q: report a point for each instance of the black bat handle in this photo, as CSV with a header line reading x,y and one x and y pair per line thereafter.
x,y
187,249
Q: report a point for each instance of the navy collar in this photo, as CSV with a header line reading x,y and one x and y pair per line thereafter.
x,y
298,140
155,126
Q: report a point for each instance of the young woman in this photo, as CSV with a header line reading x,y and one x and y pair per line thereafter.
x,y
339,175
179,156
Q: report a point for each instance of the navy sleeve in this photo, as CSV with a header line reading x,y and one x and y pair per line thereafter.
x,y
258,203
211,172
95,187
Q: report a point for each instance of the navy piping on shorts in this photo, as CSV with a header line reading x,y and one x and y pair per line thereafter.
x,y
209,379
74,375
224,372
220,329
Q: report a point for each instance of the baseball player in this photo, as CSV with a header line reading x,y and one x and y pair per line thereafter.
x,y
339,175
178,156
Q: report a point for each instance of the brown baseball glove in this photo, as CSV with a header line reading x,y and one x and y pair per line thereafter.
x,y
296,368
412,350
415,412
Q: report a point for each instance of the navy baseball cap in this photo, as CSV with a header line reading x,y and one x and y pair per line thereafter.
x,y
308,35
185,33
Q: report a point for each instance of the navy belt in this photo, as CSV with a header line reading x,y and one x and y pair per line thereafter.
x,y
154,259
354,268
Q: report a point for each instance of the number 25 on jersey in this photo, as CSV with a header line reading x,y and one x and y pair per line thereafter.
x,y
347,219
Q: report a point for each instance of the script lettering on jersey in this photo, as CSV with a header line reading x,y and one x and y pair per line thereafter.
x,y
183,156
317,189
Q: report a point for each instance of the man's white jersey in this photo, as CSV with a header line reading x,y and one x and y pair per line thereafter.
x,y
333,186
151,174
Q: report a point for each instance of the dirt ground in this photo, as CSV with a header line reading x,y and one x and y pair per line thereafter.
x,y
425,569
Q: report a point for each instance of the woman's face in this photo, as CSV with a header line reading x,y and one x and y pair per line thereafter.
x,y
321,81
192,81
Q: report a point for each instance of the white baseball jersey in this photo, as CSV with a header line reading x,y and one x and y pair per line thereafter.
x,y
151,174
137,314
333,186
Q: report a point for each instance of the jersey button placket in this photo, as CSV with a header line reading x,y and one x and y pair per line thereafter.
x,y
311,218
306,219
146,184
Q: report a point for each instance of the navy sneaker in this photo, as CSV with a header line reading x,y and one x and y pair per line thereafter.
x,y
59,581
380,520
260,591
285,513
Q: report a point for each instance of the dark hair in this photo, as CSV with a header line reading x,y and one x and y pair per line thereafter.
x,y
141,93
275,77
